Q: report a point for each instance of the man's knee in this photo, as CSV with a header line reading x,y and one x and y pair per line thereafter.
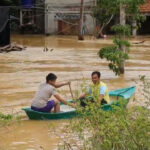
x,y
56,102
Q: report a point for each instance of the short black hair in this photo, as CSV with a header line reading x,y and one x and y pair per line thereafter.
x,y
51,77
96,72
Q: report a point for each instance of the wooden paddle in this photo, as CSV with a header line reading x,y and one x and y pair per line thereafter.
x,y
71,92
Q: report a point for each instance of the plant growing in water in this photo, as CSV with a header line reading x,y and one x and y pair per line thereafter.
x,y
8,119
118,53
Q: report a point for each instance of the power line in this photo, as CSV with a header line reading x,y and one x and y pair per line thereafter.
x,y
60,4
49,3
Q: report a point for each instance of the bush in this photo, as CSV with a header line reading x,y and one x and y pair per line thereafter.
x,y
120,129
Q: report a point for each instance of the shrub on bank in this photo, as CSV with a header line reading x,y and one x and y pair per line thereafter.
x,y
120,129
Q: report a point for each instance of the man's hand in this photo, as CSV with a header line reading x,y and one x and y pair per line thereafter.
x,y
101,97
83,95
68,83
72,105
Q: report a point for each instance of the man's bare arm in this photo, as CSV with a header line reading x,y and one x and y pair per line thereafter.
x,y
58,85
63,101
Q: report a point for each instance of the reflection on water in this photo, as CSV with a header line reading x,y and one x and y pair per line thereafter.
x,y
22,72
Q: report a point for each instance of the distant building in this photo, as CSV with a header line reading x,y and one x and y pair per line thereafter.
x,y
145,10
62,17
32,16
4,26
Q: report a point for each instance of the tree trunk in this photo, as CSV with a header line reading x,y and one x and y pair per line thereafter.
x,y
21,18
80,35
134,29
123,23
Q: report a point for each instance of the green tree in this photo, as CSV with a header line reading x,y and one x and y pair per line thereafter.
x,y
104,12
128,9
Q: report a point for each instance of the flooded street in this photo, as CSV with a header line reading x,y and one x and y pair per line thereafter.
x,y
70,59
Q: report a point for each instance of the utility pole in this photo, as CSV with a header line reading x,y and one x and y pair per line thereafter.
x,y
80,35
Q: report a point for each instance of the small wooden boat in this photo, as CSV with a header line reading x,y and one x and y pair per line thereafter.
x,y
117,97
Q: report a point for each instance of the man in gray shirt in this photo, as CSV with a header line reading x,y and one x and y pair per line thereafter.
x,y
41,100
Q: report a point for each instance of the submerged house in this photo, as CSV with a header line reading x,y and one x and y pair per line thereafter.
x,y
56,16
32,16
4,26
62,17
145,26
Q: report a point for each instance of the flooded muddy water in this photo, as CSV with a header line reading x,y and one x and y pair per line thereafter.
x,y
70,59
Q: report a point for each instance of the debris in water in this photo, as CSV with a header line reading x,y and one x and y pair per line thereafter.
x,y
12,47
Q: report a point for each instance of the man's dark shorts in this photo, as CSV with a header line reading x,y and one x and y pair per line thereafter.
x,y
47,108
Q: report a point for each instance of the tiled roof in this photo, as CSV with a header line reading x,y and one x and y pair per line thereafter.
x,y
146,7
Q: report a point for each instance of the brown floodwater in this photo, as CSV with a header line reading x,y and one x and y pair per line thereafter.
x,y
70,59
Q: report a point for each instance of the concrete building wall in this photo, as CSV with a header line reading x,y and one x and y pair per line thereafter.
x,y
51,26
67,7
63,2
90,23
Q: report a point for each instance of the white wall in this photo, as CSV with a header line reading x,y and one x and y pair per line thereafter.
x,y
62,2
90,23
51,25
